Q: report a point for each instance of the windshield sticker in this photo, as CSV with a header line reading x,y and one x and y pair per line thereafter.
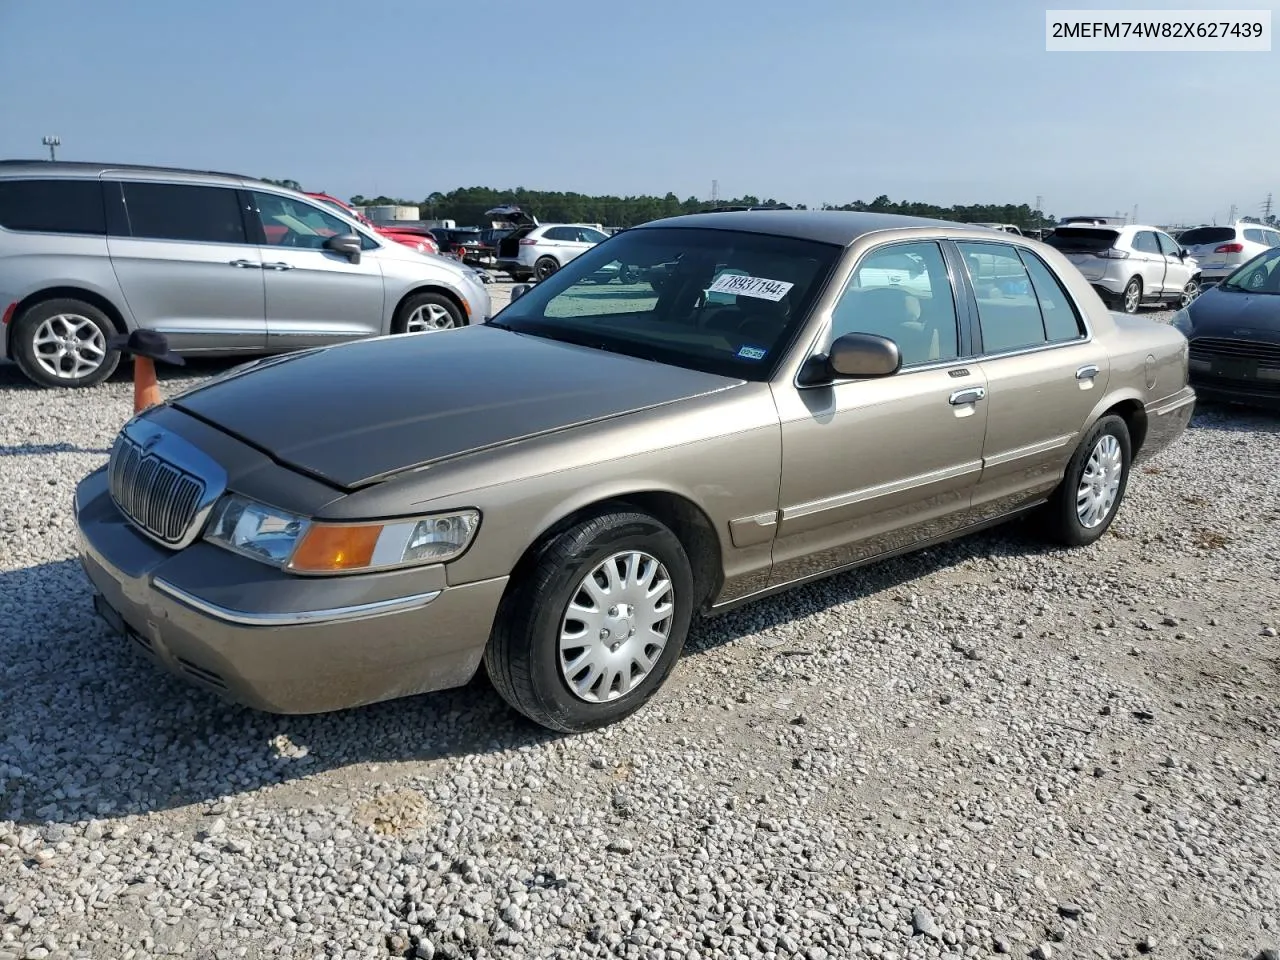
x,y
752,353
744,286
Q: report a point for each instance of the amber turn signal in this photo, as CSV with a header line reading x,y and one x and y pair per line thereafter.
x,y
325,549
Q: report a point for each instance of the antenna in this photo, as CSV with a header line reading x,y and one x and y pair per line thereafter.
x,y
1135,213
53,143
1231,217
1266,208
715,193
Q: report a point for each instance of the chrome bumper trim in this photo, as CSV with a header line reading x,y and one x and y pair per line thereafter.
x,y
358,611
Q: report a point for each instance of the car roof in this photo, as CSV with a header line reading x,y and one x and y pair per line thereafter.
x,y
825,226
45,168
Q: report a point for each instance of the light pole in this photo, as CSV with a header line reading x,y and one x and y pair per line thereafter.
x,y
53,143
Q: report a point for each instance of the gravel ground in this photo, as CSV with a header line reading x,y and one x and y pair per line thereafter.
x,y
989,747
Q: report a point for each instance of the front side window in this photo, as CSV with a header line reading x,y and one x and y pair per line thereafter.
x,y
1167,245
902,292
52,206
1008,312
713,300
1254,236
587,235
179,211
287,222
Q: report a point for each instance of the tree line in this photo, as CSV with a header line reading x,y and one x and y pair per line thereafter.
x,y
467,206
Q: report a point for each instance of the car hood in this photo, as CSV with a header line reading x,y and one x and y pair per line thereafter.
x,y
358,413
1239,316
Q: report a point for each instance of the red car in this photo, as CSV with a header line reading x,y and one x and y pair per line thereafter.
x,y
414,237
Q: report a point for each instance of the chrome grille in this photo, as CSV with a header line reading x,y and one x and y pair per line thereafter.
x,y
157,496
1221,348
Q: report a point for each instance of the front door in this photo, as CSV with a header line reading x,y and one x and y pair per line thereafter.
x,y
1043,377
186,265
873,466
314,296
1149,262
1177,272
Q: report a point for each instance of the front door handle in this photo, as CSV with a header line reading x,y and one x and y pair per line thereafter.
x,y
968,395
244,263
1087,372
277,266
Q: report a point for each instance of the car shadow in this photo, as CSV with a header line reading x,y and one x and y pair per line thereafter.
x,y
89,727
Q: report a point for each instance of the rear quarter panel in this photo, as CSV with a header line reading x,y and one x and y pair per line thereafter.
x,y
721,453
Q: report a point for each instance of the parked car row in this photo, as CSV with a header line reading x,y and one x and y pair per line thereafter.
x,y
219,264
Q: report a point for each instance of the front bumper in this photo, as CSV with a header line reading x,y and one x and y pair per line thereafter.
x,y
1223,390
274,642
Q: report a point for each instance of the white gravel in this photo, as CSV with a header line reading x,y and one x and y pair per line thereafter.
x,y
987,748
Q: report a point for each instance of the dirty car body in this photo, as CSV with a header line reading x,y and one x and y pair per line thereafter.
x,y
558,492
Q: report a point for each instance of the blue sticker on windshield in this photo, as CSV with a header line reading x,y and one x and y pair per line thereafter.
x,y
752,353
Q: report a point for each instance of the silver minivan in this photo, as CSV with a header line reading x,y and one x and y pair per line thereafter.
x,y
220,264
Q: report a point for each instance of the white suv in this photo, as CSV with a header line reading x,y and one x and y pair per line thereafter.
x,y
1130,265
535,250
1220,250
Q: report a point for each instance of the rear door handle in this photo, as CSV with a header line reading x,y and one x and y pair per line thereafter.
x,y
244,263
968,395
277,266
1087,372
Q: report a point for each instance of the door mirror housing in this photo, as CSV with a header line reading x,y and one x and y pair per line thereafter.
x,y
347,244
856,356
1184,253
519,290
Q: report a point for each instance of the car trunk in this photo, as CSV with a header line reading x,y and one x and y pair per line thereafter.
x,y
521,224
1214,248
1086,247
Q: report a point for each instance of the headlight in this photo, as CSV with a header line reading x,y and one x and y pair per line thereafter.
x,y
309,546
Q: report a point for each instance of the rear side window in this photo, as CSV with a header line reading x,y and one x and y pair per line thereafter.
x,y
1145,242
174,211
1061,323
1255,236
1008,312
561,233
52,206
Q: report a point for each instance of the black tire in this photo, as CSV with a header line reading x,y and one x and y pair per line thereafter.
x,y
1131,299
523,654
85,322
1062,522
428,308
627,275
545,267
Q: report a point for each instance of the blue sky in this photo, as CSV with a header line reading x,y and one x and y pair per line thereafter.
x,y
806,101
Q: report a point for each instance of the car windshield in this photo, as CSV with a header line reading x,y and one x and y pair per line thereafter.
x,y
1259,275
1198,236
718,301
1081,239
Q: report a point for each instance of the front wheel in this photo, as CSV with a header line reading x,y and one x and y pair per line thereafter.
x,y
545,267
428,313
1189,293
1086,502
589,633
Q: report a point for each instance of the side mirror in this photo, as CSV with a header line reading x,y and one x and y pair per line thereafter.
x,y
857,356
1184,253
519,290
347,244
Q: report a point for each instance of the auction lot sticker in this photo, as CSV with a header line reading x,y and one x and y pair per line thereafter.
x,y
744,286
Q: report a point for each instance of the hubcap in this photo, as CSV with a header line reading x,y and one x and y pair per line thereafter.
x,y
1100,482
616,626
1131,298
69,346
427,318
1190,292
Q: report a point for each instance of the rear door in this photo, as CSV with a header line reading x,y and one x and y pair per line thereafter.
x,y
1043,375
185,263
1149,262
313,296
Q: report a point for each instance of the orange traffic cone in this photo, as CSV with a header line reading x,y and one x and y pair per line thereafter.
x,y
146,347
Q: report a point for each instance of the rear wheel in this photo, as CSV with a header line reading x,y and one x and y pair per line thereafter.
x,y
63,343
428,313
1086,502
1131,299
588,634
545,267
